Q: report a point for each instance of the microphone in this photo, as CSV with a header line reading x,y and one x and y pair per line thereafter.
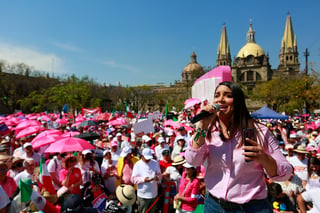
x,y
204,114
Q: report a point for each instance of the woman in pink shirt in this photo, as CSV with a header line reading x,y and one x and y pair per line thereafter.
x,y
189,189
235,171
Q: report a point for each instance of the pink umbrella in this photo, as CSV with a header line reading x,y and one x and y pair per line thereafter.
x,y
168,123
44,140
48,132
69,145
70,134
27,123
61,121
191,102
29,131
118,122
80,119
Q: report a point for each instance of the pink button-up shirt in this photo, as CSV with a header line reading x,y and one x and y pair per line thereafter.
x,y
228,176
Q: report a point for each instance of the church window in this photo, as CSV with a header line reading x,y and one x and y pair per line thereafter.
x,y
258,77
287,58
250,76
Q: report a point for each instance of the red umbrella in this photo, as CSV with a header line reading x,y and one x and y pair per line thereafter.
x,y
191,102
61,121
69,145
29,131
44,140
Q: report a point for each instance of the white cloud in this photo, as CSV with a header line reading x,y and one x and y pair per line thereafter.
x,y
45,62
113,63
67,46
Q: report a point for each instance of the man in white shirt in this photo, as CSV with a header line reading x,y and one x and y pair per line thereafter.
x,y
54,168
300,163
146,174
29,166
29,153
162,146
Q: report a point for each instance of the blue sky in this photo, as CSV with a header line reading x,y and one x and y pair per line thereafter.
x,y
138,42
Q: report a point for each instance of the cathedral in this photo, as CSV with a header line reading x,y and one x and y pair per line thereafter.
x,y
251,64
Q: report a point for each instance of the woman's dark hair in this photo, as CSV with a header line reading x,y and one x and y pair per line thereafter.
x,y
275,189
241,117
314,161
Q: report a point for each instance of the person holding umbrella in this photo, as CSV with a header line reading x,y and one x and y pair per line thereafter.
x,y
70,176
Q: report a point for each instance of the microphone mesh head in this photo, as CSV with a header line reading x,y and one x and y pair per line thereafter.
x,y
216,107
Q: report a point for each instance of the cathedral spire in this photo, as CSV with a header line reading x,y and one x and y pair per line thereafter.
x,y
224,56
250,34
289,63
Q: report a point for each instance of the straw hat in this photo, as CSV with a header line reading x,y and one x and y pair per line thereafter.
x,y
178,160
301,149
126,194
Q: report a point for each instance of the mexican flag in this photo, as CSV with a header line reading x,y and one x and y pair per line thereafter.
x,y
27,193
129,114
45,177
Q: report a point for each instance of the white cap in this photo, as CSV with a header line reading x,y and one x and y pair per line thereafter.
x,y
187,165
180,137
161,140
87,151
118,134
125,151
146,138
147,154
26,145
106,151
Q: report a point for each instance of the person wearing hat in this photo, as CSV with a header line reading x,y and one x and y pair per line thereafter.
x,y
174,171
146,174
115,151
109,172
125,166
189,189
16,167
182,132
29,167
88,166
29,153
70,176
300,163
118,139
289,148
126,195
180,147
159,148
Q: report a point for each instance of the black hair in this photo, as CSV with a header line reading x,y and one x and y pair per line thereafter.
x,y
241,117
314,161
275,189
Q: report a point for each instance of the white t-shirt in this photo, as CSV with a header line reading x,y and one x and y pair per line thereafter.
x,y
111,182
313,196
300,167
22,175
36,157
158,150
141,170
174,175
54,166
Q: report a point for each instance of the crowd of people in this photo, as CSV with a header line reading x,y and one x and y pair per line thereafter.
x,y
211,166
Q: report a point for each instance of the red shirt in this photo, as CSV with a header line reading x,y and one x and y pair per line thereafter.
x,y
74,177
163,165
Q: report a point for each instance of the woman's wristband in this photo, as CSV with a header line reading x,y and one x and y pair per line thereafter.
x,y
200,133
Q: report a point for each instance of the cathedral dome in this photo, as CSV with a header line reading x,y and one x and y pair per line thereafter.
x,y
191,67
250,49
